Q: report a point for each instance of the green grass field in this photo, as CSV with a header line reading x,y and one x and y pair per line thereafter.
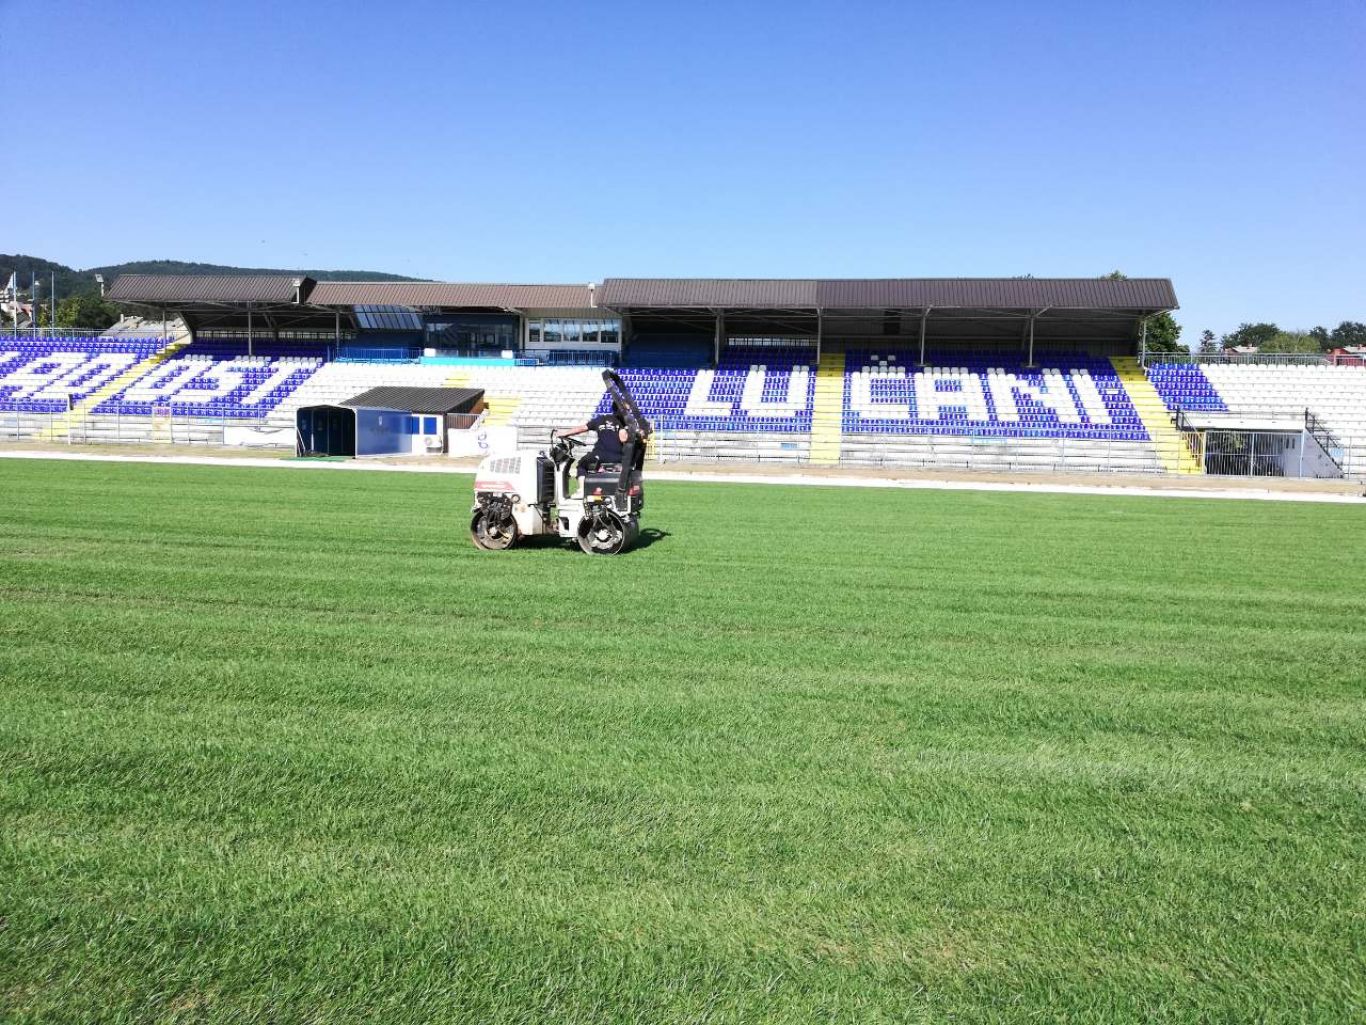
x,y
282,746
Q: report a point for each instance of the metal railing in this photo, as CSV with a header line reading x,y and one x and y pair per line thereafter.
x,y
1328,441
115,332
387,354
121,428
571,357
163,427
91,339
1214,461
1227,452
1239,453
524,357
1149,357
1250,453
1247,453
959,452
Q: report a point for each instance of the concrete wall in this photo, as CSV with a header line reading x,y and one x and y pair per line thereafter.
x,y
1311,460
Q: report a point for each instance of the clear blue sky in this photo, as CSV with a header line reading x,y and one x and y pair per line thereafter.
x,y
1223,145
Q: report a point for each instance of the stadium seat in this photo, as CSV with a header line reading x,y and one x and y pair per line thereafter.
x,y
42,375
987,396
197,384
1336,395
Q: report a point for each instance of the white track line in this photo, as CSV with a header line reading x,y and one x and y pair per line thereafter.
x,y
804,480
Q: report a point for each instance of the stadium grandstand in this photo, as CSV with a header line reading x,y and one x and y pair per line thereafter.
x,y
1011,374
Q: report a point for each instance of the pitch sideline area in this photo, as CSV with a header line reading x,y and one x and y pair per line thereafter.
x,y
1253,489
287,747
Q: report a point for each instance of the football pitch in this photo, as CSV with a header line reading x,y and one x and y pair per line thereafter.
x,y
283,746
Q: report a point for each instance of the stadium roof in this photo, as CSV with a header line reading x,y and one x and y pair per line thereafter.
x,y
416,400
212,289
1137,294
209,288
440,294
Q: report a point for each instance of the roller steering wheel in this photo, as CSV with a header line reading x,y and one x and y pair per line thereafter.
x,y
568,443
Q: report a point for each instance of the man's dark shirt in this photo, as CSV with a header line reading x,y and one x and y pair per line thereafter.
x,y
608,447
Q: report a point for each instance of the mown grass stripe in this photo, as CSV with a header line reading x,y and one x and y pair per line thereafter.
x,y
286,748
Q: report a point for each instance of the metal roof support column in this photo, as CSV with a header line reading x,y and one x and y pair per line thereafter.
x,y
249,331
1143,342
336,335
720,336
820,332
1030,361
924,316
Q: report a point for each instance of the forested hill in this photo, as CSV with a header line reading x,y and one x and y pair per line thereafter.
x,y
71,281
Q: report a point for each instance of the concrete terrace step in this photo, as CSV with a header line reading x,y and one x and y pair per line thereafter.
x,y
1171,447
827,411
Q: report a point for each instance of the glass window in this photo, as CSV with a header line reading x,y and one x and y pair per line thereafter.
x,y
388,318
572,333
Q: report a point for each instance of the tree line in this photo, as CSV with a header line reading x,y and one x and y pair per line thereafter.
x,y
1267,337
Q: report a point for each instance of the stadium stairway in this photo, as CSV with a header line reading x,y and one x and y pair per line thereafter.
x,y
61,426
827,411
501,405
1172,450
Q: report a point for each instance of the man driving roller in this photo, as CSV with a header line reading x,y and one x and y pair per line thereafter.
x,y
609,449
